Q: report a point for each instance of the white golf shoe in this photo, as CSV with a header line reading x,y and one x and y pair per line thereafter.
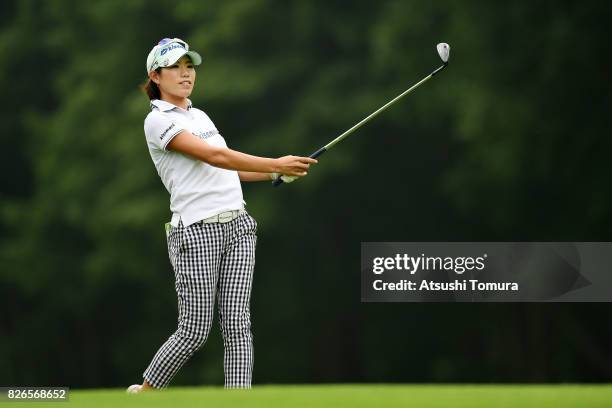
x,y
134,389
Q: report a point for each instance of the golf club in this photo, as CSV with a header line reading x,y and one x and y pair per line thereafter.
x,y
443,52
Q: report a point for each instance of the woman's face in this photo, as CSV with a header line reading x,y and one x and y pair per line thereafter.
x,y
176,81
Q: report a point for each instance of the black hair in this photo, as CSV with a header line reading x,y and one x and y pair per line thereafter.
x,y
151,88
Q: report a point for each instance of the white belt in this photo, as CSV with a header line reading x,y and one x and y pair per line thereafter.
x,y
224,217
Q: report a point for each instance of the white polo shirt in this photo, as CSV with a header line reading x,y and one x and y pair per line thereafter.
x,y
197,189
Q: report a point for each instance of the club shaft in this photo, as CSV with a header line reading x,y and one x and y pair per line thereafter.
x,y
379,110
365,120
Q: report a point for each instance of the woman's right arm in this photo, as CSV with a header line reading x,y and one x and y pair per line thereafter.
x,y
225,158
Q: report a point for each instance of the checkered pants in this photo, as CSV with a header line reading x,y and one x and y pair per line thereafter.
x,y
210,260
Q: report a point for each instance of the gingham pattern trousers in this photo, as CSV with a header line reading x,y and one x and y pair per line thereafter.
x,y
210,261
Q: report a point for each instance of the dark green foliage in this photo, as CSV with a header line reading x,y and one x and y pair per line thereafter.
x,y
510,143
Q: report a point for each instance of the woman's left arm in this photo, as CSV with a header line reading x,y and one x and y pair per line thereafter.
x,y
254,176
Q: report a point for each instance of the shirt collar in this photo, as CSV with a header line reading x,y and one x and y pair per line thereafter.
x,y
167,106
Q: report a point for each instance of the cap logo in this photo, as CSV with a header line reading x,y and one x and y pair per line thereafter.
x,y
172,47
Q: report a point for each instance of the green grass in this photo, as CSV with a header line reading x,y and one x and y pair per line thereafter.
x,y
349,396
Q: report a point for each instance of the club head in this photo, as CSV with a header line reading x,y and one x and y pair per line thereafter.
x,y
443,51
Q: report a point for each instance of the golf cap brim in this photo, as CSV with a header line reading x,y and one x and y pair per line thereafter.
x,y
175,54
165,55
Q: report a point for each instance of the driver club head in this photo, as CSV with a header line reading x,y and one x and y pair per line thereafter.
x,y
443,52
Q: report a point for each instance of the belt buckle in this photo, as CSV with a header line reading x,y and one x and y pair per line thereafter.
x,y
226,217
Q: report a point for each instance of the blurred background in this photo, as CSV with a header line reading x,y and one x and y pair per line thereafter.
x,y
511,142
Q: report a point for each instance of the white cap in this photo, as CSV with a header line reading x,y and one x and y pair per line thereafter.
x,y
168,51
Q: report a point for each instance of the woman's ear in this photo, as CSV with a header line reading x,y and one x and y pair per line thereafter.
x,y
154,76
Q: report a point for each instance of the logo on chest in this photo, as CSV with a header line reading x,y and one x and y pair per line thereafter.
x,y
207,134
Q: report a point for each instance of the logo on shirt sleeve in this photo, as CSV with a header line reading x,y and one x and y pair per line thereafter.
x,y
165,132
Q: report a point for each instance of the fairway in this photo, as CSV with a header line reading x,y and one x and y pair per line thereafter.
x,y
350,396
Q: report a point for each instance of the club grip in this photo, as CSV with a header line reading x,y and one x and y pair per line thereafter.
x,y
277,182
316,154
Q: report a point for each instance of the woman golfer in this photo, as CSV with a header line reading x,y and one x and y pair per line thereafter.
x,y
211,238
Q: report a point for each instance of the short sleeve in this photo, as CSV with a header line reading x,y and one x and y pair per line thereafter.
x,y
160,129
